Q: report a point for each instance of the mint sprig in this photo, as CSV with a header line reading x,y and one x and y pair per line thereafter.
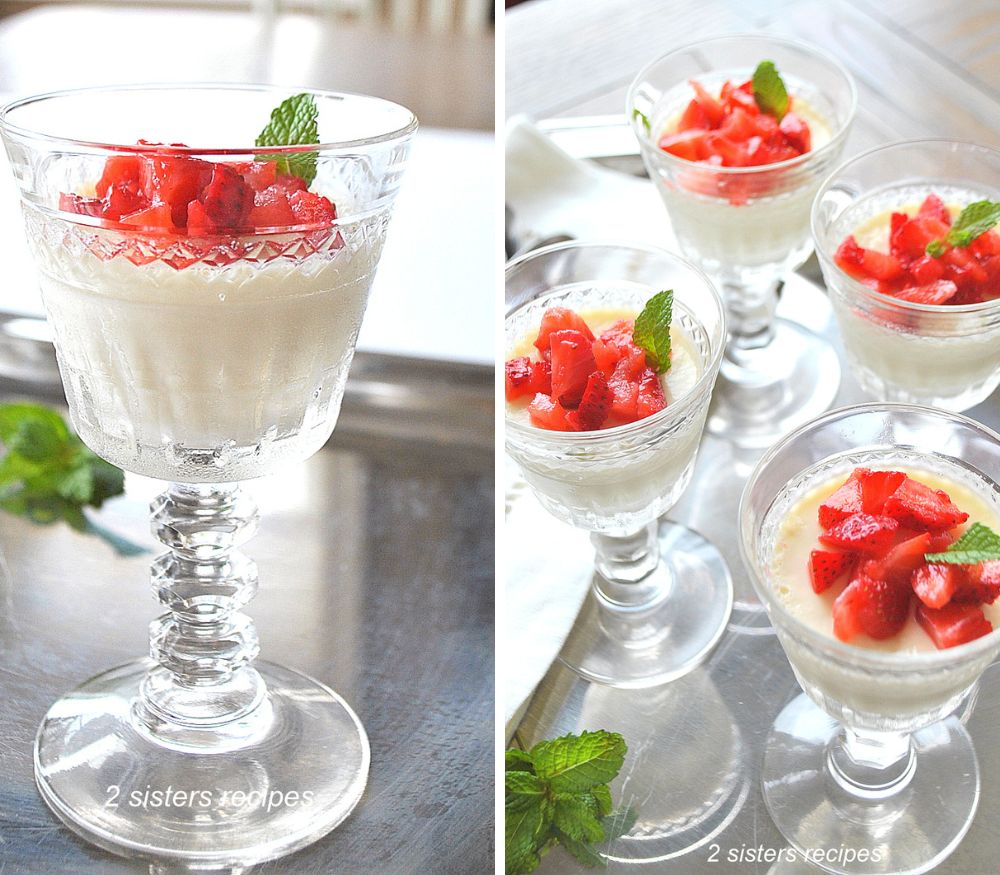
x,y
48,475
974,221
652,330
639,114
558,793
293,123
769,90
979,544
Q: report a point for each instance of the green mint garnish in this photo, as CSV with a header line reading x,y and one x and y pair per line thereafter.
x,y
769,90
47,474
639,114
974,221
979,544
557,793
652,330
293,123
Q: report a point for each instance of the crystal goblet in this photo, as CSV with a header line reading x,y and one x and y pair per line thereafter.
x,y
868,758
748,227
661,594
203,355
945,355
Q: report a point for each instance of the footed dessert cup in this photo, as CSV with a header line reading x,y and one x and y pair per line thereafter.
x,y
205,300
747,227
661,594
943,355
872,757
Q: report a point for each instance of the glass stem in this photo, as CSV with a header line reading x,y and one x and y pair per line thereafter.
x,y
750,311
203,645
871,764
629,572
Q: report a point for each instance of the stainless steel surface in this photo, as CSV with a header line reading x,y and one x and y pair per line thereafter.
x,y
907,89
376,569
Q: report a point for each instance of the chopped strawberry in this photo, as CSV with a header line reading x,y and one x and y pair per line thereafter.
x,y
936,583
620,334
595,405
921,508
899,563
796,131
981,583
713,110
911,238
845,502
933,208
572,364
312,210
548,413
557,319
227,199
872,607
650,399
199,223
689,145
606,355
518,377
175,180
694,117
933,293
926,270
953,624
876,487
625,394
159,218
259,175
862,532
541,376
83,206
826,567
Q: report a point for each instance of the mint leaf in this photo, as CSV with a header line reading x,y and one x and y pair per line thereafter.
x,y
518,761
521,790
574,817
618,823
639,114
979,544
582,851
652,330
522,834
769,90
293,123
935,249
572,764
974,221
602,797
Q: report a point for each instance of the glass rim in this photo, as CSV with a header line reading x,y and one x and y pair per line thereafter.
x,y
856,286
799,160
583,438
799,630
9,129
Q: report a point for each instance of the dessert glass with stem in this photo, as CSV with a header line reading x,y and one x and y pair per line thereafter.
x,y
202,362
661,594
868,757
946,355
748,227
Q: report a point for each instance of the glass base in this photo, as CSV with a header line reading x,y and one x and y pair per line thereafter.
x,y
654,644
909,830
218,807
764,393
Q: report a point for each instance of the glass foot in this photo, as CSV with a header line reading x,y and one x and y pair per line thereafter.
x,y
908,828
300,771
655,643
764,393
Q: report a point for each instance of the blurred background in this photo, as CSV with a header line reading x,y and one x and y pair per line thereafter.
x,y
433,294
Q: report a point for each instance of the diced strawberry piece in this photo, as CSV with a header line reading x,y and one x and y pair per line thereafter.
x,y
845,502
694,117
271,210
880,265
796,131
175,180
558,319
932,293
986,245
933,208
634,360
227,199
876,487
825,567
606,355
619,334
595,405
953,624
935,584
312,210
545,412
689,145
898,565
926,270
199,223
518,377
711,107
981,583
911,238
921,508
159,218
848,257
289,182
259,175
625,394
572,364
541,376
650,399
83,206
732,153
739,125
873,607
119,170
123,199
862,532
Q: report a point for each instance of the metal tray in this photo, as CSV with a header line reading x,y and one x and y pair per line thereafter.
x,y
376,567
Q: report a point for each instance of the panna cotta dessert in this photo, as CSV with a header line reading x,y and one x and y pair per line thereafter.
x,y
205,311
731,153
918,273
897,559
599,381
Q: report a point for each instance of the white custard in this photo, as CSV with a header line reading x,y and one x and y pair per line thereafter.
x,y
941,357
171,372
631,478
